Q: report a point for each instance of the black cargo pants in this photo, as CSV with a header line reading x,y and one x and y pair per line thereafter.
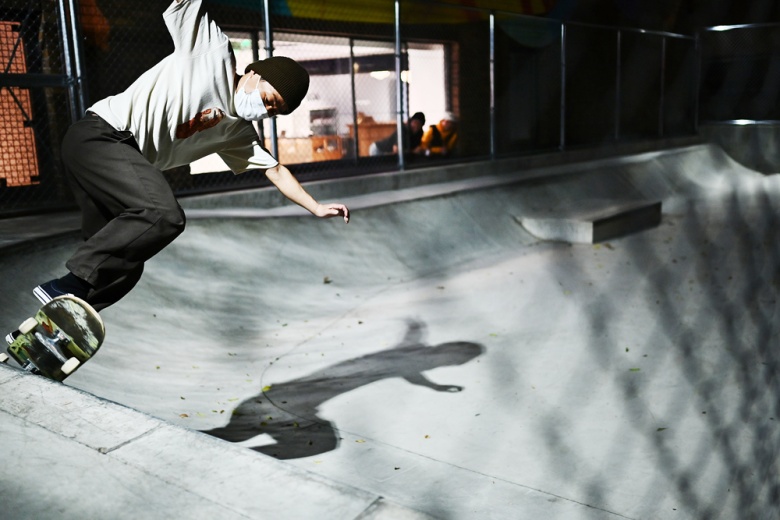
x,y
129,212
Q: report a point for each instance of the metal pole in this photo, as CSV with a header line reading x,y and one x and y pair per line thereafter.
x,y
618,74
355,136
697,88
269,51
662,95
255,57
78,54
399,93
562,144
66,35
492,86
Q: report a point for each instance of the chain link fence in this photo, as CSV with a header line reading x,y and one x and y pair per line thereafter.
x,y
518,83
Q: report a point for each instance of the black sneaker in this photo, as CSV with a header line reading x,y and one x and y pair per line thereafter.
x,y
11,336
46,292
68,284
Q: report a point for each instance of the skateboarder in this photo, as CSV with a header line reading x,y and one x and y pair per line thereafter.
x,y
189,105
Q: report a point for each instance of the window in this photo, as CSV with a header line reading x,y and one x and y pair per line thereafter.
x,y
352,83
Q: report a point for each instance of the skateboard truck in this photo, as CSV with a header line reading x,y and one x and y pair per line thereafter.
x,y
22,356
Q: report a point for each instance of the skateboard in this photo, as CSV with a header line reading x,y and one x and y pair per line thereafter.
x,y
64,334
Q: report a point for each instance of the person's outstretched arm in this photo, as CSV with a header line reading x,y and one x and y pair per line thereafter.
x,y
289,186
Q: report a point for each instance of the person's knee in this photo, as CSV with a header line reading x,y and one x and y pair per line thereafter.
x,y
172,221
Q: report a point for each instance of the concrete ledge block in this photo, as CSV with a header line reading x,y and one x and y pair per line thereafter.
x,y
594,222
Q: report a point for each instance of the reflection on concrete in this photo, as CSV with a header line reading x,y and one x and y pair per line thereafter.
x,y
288,411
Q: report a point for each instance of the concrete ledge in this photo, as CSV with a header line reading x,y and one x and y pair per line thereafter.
x,y
73,455
595,222
27,233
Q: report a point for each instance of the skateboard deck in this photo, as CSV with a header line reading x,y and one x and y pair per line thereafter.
x,y
63,335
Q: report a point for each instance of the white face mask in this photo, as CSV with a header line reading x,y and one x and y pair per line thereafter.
x,y
250,106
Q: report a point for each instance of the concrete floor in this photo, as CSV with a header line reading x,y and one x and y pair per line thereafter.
x,y
437,357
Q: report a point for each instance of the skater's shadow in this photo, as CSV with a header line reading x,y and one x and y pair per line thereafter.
x,y
288,411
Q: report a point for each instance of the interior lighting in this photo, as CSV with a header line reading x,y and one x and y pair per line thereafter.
x,y
380,74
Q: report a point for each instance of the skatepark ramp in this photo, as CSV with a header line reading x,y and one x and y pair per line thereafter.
x,y
434,345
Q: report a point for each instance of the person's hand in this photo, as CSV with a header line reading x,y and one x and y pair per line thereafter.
x,y
332,210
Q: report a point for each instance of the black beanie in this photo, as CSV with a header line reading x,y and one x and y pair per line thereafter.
x,y
286,76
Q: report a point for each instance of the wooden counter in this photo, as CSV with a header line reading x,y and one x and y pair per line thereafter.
x,y
370,132
294,150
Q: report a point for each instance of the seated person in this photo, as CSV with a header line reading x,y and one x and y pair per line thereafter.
x,y
440,139
413,132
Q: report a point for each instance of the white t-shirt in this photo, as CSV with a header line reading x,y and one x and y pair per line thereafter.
x,y
182,108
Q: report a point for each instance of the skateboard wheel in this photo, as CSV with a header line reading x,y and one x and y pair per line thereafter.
x,y
3,358
70,365
28,325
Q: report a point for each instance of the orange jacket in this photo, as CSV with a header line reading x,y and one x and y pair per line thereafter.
x,y
438,141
